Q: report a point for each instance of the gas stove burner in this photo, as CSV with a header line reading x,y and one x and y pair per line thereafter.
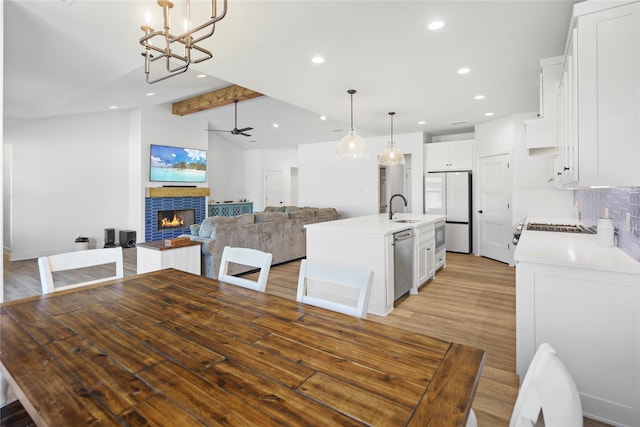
x,y
562,228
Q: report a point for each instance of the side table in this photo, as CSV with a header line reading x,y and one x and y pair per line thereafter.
x,y
154,256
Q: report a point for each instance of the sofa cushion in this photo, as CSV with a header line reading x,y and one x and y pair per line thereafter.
x,y
291,208
221,221
274,209
327,213
271,216
302,213
207,227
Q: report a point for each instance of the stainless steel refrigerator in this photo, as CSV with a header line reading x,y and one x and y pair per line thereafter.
x,y
449,193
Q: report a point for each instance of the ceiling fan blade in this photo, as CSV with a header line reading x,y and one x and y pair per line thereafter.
x,y
245,134
218,130
244,129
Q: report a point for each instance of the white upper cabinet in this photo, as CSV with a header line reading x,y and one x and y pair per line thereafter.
x,y
449,156
543,132
599,108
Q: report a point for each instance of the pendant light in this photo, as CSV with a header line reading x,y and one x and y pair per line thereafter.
x,y
352,145
391,155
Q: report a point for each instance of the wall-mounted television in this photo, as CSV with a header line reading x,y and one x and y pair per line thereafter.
x,y
177,164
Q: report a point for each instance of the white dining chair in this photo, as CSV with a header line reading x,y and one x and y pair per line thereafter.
x,y
75,260
249,257
341,288
547,387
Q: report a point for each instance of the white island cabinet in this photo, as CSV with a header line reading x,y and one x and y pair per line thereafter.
x,y
368,242
584,300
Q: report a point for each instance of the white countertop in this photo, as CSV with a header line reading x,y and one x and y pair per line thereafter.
x,y
377,224
572,250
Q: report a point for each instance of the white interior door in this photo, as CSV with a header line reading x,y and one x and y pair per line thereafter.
x,y
272,188
494,208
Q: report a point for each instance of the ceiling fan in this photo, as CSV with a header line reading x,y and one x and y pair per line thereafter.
x,y
235,130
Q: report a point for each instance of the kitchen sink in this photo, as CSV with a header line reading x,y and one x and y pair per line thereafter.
x,y
405,220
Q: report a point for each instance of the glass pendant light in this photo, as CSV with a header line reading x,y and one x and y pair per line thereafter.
x,y
352,145
391,155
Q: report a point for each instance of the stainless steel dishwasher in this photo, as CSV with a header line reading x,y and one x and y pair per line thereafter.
x,y
403,247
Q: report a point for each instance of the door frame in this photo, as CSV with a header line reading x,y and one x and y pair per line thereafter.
x,y
478,203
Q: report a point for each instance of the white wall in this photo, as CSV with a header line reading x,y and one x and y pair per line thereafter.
x,y
532,195
351,185
159,126
225,164
78,175
256,162
69,178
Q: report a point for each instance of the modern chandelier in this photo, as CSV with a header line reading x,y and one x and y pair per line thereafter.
x,y
178,51
391,156
352,145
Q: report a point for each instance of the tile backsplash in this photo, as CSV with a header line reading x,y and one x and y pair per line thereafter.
x,y
619,202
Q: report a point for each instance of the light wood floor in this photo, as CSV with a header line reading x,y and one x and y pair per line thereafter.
x,y
471,301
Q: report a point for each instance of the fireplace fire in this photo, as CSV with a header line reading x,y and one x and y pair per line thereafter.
x,y
176,219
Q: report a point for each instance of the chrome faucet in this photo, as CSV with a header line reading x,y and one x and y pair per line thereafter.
x,y
390,206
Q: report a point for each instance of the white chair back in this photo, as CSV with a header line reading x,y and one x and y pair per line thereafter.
x,y
75,260
547,386
249,257
327,281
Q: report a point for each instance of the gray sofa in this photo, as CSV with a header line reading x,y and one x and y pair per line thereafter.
x,y
278,230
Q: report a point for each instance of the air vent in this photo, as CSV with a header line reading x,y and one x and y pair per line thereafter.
x,y
459,122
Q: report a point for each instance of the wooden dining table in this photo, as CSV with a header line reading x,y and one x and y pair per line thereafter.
x,y
170,348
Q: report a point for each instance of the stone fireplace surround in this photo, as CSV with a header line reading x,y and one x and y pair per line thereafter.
x,y
172,198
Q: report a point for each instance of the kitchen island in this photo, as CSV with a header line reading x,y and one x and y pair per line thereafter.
x,y
584,300
367,242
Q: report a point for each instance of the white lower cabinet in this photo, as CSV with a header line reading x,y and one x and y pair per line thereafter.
x,y
592,318
426,261
425,256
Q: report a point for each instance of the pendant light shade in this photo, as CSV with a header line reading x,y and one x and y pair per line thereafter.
x,y
352,145
391,155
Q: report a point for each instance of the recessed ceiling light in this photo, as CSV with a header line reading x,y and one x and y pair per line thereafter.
x,y
421,122
275,125
113,107
201,76
478,97
436,24
323,117
150,93
464,70
488,114
317,59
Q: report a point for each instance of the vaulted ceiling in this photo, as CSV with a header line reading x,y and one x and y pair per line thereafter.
x,y
76,56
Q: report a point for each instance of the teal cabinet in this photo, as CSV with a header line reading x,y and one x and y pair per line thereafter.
x,y
230,209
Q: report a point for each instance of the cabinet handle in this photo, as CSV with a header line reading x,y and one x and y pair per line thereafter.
x,y
566,168
480,211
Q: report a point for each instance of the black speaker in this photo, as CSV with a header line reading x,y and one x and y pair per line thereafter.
x,y
109,237
127,238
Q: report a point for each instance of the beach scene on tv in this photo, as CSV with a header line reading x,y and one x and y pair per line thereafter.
x,y
177,164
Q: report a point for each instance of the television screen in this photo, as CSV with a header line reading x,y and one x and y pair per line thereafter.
x,y
177,164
